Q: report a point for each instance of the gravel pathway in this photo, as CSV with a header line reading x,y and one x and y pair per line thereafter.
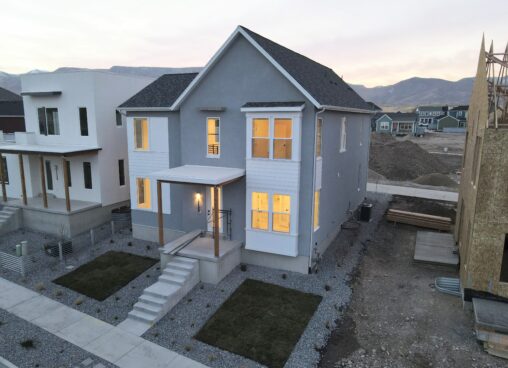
x,y
48,350
112,310
176,330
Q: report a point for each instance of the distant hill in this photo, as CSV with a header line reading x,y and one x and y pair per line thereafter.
x,y
419,91
402,95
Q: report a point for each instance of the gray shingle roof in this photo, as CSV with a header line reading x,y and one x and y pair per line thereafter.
x,y
6,95
11,108
162,92
321,82
274,104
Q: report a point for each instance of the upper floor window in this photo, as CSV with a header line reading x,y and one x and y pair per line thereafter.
x,y
261,138
141,134
282,139
48,121
213,137
319,137
343,135
83,121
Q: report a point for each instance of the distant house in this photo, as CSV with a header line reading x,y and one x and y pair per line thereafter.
x,y
395,123
460,113
447,121
11,112
428,115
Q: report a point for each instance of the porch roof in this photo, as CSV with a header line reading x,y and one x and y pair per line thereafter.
x,y
58,150
195,174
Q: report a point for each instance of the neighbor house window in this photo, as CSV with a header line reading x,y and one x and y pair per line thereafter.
x,y
83,121
319,137
405,126
282,141
5,171
343,135
121,172
317,195
384,125
504,262
143,192
261,138
141,134
48,121
281,213
213,137
260,210
68,169
118,118
87,173
49,176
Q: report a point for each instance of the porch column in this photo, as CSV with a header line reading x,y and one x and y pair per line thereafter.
x,y
2,177
22,175
159,213
43,182
66,184
216,221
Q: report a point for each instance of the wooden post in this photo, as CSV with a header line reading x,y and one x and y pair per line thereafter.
x,y
2,177
43,182
159,213
66,184
216,221
22,175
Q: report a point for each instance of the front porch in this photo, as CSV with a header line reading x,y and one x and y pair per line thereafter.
x,y
54,205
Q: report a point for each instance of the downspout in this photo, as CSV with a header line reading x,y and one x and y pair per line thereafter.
x,y
313,188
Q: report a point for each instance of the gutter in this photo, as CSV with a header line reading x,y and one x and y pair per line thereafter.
x,y
347,109
313,188
128,109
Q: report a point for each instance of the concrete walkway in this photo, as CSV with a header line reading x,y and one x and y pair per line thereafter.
x,y
413,192
91,334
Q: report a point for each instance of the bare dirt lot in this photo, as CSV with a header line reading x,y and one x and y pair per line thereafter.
x,y
396,318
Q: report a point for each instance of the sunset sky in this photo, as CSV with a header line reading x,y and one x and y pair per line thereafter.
x,y
366,42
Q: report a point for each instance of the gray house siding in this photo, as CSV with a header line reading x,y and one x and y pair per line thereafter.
x,y
383,119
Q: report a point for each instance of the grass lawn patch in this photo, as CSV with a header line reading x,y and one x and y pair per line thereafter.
x,y
260,321
106,274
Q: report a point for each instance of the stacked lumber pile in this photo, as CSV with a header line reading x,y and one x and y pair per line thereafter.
x,y
419,219
491,325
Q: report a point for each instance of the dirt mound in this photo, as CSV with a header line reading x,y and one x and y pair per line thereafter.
x,y
436,180
402,160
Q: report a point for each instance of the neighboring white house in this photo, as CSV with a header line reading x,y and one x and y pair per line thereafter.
x,y
74,150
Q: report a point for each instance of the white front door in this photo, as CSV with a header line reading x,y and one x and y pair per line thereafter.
x,y
209,209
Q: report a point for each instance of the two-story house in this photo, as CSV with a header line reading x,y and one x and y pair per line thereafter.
x,y
69,169
273,140
428,115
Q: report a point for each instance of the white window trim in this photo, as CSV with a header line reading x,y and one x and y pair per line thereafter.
x,y
210,155
134,134
292,215
343,135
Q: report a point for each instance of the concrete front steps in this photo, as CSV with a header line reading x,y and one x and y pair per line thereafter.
x,y
179,276
9,219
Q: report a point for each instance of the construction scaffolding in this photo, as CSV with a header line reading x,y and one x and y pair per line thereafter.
x,y
497,80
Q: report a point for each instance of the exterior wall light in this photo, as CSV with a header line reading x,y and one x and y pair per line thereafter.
x,y
198,201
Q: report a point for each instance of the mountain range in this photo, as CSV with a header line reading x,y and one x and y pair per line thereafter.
x,y
403,95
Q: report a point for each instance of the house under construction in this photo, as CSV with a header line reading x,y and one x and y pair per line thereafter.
x,y
482,215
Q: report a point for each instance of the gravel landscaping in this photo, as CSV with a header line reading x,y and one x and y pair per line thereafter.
x,y
177,329
26,345
45,269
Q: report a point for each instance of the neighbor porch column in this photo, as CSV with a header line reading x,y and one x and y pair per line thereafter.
x,y
66,184
216,221
22,175
159,213
2,177
43,182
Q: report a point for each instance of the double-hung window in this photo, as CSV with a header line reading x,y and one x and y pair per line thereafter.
x,y
213,137
317,195
261,138
48,121
282,139
281,215
141,134
260,210
272,138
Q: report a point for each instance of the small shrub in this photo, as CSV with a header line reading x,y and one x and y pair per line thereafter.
x,y
243,267
129,244
188,348
58,293
284,276
148,247
79,301
327,287
28,344
40,286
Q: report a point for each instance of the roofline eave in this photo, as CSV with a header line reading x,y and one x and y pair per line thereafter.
x,y
347,109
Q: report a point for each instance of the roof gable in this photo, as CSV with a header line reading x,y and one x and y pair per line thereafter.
x,y
6,95
318,83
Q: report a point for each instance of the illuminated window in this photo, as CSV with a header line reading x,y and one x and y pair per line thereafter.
x,y
213,137
281,213
261,138
317,195
343,135
141,134
260,210
319,138
282,141
143,192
